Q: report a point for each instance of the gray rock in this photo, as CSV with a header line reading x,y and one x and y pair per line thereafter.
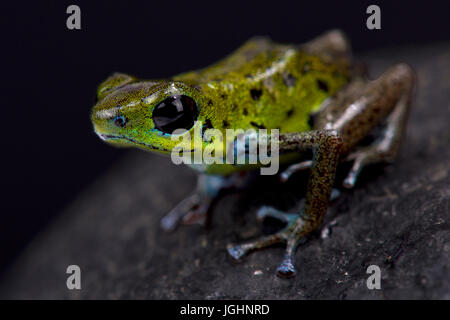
x,y
396,218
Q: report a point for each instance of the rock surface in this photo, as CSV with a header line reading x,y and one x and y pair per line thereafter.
x,y
397,218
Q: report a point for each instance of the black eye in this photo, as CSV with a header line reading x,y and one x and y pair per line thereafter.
x,y
176,112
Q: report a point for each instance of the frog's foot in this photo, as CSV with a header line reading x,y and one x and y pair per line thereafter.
x,y
286,174
291,235
379,152
191,210
335,193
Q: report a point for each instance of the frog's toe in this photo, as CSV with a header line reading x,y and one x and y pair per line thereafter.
x,y
236,251
335,193
350,180
358,164
168,223
286,269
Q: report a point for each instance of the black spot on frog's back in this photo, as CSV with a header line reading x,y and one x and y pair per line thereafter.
x,y
206,125
322,85
256,94
290,112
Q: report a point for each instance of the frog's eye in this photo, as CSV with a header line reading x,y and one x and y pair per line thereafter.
x,y
176,112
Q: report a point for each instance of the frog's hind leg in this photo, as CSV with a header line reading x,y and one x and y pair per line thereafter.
x,y
338,132
358,109
385,147
359,112
331,46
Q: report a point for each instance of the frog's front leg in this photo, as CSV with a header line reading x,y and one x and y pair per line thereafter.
x,y
194,209
327,145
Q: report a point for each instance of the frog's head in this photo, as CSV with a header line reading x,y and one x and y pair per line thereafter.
x,y
145,114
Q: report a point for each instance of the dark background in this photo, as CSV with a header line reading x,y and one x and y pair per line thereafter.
x,y
49,152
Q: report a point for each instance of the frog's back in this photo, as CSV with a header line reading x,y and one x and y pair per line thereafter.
x,y
268,85
255,54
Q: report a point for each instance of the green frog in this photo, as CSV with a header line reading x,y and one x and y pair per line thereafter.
x,y
320,101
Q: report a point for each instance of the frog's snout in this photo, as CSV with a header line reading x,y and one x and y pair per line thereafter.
x,y
96,122
100,133
100,125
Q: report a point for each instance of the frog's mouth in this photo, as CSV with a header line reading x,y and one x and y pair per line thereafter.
x,y
110,138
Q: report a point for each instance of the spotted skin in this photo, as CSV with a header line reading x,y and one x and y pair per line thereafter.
x,y
313,93
261,85
355,114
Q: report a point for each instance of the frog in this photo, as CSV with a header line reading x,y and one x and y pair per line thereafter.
x,y
316,94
